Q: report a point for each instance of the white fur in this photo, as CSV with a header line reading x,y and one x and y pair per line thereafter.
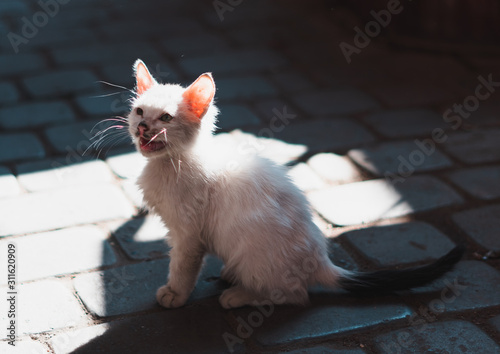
x,y
242,208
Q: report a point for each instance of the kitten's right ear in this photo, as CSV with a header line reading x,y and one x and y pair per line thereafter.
x,y
143,78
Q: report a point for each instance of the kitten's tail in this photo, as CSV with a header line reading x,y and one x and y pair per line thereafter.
x,y
393,280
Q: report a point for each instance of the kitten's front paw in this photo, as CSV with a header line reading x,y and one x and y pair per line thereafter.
x,y
168,298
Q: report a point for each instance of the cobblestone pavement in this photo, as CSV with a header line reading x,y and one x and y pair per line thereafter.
x,y
398,152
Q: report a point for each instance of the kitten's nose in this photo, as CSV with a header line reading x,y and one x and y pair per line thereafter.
x,y
142,127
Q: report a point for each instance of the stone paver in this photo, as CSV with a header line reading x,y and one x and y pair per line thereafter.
x,y
10,93
405,122
63,207
234,116
62,172
127,165
233,62
482,225
443,337
337,102
123,290
59,83
105,106
195,44
21,63
321,349
142,238
35,114
316,321
305,178
411,95
20,146
78,137
399,157
409,242
334,168
170,331
475,147
43,306
23,347
462,289
8,183
69,341
479,182
244,87
78,249
325,134
369,201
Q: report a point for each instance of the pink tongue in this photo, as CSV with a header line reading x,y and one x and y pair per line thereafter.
x,y
151,146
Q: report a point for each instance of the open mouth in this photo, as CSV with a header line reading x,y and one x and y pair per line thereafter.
x,y
151,145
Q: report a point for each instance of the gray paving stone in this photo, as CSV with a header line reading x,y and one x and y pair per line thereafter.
x,y
121,74
201,43
128,165
334,168
249,144
323,134
14,8
463,289
244,88
401,157
54,37
23,346
478,146
102,53
234,116
442,337
400,243
233,62
124,290
412,94
481,225
168,331
495,321
43,306
21,146
8,183
479,182
321,319
147,25
292,81
52,174
20,63
32,115
63,207
9,92
335,102
108,106
70,340
76,138
406,122
142,238
368,201
305,178
272,111
60,83
321,349
63,251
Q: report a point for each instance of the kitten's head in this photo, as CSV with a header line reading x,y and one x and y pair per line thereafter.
x,y
166,119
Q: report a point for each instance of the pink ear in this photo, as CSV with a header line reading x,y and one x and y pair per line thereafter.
x,y
200,94
143,78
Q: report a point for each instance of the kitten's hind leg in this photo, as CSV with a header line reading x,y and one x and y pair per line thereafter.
x,y
238,296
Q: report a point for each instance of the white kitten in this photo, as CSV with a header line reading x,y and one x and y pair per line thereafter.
x,y
243,209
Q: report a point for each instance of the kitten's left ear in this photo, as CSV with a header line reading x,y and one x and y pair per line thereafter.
x,y
200,94
143,78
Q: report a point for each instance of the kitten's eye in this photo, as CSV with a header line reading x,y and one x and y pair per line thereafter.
x,y
139,111
166,117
